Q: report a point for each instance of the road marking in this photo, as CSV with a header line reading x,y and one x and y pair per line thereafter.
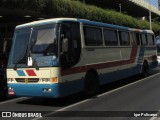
x,y
147,78
62,109
86,100
8,101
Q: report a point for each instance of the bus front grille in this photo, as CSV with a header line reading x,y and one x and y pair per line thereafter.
x,y
27,80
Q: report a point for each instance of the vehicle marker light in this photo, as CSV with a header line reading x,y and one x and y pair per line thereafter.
x,y
11,91
55,79
47,90
45,79
10,79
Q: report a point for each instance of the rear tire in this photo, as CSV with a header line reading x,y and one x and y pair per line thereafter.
x,y
145,69
91,84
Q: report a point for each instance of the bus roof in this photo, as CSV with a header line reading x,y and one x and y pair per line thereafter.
x,y
84,21
45,22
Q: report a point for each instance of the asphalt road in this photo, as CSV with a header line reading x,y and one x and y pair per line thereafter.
x,y
120,100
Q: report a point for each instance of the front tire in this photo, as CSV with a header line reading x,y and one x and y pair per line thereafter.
x,y
91,84
145,70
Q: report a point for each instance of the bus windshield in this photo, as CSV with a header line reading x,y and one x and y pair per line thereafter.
x,y
37,42
44,40
21,39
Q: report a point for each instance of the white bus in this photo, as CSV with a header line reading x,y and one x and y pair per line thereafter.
x,y
62,56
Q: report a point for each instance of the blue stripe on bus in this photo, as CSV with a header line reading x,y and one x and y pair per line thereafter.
x,y
67,88
71,87
20,73
58,89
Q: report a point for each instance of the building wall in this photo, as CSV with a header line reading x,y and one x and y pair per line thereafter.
x,y
153,2
148,4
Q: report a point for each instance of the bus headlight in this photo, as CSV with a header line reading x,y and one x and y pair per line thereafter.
x,y
10,79
45,79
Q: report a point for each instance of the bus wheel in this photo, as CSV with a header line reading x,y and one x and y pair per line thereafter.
x,y
91,84
145,69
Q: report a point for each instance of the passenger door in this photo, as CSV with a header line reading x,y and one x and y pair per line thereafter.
x,y
70,44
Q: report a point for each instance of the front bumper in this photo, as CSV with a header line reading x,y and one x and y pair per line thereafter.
x,y
37,90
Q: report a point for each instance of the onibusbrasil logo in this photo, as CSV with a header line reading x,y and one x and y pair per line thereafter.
x,y
22,114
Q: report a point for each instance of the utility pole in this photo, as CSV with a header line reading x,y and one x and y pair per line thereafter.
x,y
83,1
120,8
150,14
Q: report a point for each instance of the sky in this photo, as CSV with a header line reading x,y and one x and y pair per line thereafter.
x,y
153,2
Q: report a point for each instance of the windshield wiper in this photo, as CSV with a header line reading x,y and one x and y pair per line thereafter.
x,y
29,55
31,43
34,61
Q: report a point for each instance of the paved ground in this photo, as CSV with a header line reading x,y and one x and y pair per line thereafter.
x,y
120,100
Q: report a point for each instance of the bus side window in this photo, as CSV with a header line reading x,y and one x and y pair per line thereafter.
x,y
110,37
144,39
92,36
124,38
150,40
136,38
132,39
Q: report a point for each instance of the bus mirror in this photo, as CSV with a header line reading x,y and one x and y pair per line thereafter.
x,y
64,45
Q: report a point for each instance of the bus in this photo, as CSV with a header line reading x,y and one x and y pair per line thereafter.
x,y
62,56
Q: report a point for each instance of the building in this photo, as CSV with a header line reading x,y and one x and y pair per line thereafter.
x,y
135,8
12,16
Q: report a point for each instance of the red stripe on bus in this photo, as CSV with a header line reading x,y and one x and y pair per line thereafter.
x,y
133,52
101,65
31,73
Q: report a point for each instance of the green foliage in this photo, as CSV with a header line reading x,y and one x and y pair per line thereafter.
x,y
76,9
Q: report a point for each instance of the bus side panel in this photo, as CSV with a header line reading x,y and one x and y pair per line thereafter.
x,y
73,83
119,74
151,57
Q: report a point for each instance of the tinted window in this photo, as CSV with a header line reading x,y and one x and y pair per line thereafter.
x,y
70,44
44,38
110,37
136,38
92,36
132,39
21,39
150,39
144,40
124,38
